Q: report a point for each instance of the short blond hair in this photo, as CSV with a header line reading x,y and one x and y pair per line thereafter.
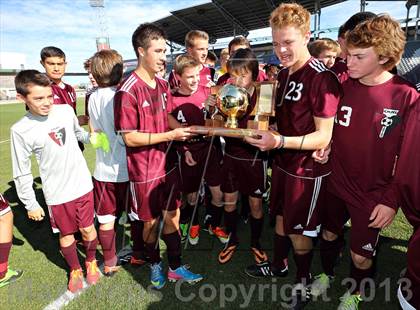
x,y
185,61
195,34
291,14
325,44
382,33
107,68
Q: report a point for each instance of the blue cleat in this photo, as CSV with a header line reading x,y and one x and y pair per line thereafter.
x,y
157,278
182,273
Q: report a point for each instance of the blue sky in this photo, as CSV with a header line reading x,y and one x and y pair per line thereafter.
x,y
27,26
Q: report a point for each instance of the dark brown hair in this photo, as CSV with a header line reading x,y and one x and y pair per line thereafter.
x,y
27,78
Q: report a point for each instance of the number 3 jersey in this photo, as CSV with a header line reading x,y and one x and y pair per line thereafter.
x,y
367,135
311,91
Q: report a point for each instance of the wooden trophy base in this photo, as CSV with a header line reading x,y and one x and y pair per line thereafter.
x,y
224,131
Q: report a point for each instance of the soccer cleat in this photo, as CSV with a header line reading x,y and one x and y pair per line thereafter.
x,y
194,234
183,273
92,272
109,271
10,277
320,284
219,233
137,262
265,269
301,296
184,232
259,255
76,280
157,278
349,301
227,253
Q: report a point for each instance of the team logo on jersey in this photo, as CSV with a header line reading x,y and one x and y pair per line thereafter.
x,y
58,136
389,121
145,104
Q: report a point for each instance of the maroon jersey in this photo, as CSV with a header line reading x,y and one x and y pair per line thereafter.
x,y
408,168
340,69
4,205
366,140
225,77
138,107
189,109
312,91
206,76
64,95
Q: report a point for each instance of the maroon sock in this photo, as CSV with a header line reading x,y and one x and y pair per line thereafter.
x,y
153,252
186,213
256,230
282,245
70,255
231,223
216,215
193,215
303,266
137,237
107,239
4,258
329,254
358,275
90,248
173,249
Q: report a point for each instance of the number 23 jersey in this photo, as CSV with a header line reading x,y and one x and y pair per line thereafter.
x,y
311,91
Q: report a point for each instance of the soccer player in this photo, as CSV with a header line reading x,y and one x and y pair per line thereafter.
x,y
234,45
7,275
94,85
244,166
224,57
197,44
188,109
408,179
367,135
326,50
141,107
51,132
110,178
54,62
307,100
340,66
211,59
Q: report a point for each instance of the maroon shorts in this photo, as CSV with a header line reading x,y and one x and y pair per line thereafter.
x,y
4,205
67,218
110,199
298,200
363,239
413,268
149,199
249,177
191,175
333,213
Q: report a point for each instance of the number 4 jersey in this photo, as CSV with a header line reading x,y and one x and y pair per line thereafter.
x,y
311,91
367,135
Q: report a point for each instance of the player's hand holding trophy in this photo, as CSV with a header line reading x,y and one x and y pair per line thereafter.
x,y
230,104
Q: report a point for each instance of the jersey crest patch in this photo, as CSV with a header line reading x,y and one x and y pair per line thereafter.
x,y
389,121
58,136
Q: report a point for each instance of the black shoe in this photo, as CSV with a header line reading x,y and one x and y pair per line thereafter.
x,y
301,296
265,269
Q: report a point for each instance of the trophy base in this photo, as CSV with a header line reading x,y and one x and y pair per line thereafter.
x,y
224,132
258,125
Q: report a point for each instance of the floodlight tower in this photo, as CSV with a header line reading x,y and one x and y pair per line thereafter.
x,y
102,39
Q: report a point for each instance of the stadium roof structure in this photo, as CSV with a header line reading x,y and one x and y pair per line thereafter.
x,y
227,18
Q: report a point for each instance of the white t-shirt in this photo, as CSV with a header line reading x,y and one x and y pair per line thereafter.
x,y
62,167
111,166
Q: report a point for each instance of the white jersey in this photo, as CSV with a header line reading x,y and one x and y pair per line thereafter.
x,y
62,167
111,166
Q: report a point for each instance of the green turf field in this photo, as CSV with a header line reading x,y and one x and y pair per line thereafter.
x,y
45,277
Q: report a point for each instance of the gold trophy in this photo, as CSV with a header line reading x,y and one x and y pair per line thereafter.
x,y
232,104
